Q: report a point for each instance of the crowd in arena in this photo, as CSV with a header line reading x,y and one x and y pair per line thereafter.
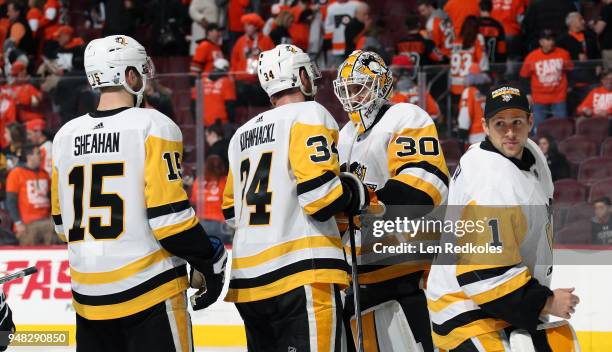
x,y
558,50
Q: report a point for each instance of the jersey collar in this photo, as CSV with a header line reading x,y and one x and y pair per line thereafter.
x,y
525,163
107,113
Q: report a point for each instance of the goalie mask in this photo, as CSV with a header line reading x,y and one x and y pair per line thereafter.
x,y
363,86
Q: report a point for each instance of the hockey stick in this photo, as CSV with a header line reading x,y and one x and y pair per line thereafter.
x,y
19,274
355,284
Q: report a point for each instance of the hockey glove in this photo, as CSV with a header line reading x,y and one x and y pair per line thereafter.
x,y
359,197
209,283
6,320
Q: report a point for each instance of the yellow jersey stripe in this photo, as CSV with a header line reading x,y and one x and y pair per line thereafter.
x,y
462,333
391,272
288,283
138,304
503,289
446,300
174,229
122,273
284,248
422,185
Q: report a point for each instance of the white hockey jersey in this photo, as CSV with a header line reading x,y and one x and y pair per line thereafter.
x,y
513,198
117,191
403,147
283,175
338,16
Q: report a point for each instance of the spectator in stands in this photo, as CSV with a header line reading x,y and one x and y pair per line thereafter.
x,y
158,97
493,33
216,142
510,14
36,135
603,27
8,114
545,14
202,13
15,137
27,97
82,98
219,94
209,211
235,10
169,20
34,16
601,223
244,60
300,29
598,103
208,50
471,106
405,91
460,10
27,199
356,29
280,33
438,25
557,163
49,22
270,24
69,46
547,68
421,51
339,14
19,31
581,44
468,48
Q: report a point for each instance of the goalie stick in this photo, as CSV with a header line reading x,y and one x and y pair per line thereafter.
x,y
18,274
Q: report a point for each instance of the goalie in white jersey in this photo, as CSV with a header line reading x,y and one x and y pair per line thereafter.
x,y
118,200
283,188
394,150
479,300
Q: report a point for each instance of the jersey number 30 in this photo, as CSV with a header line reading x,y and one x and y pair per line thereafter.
x,y
97,199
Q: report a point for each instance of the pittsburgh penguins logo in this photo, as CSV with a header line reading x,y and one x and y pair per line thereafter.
x,y
121,40
373,65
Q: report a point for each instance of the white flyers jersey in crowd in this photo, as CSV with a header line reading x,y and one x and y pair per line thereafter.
x,y
116,192
46,156
283,176
338,16
400,152
513,197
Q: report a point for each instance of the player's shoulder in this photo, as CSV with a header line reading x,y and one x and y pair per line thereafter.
x,y
156,124
310,113
401,116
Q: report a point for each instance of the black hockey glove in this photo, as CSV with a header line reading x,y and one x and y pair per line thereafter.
x,y
360,199
6,321
209,283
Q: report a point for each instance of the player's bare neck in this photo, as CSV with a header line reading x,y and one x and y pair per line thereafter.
x,y
115,99
288,98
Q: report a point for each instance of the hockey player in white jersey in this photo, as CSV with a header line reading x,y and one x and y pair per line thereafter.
x,y
283,188
497,300
394,150
6,321
118,201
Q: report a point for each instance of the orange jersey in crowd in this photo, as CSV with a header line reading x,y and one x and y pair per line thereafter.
x,y
26,97
462,59
216,93
508,12
299,31
32,189
205,55
246,53
471,112
441,32
459,10
213,199
548,75
235,10
599,101
412,96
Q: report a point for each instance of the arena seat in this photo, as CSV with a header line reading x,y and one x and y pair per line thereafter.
x,y
569,191
606,147
594,169
574,233
577,148
601,188
579,212
558,128
595,128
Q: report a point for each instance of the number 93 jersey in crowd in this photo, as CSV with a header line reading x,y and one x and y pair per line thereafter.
x,y
116,192
400,159
281,194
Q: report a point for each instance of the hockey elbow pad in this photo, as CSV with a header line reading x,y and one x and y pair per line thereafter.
x,y
209,283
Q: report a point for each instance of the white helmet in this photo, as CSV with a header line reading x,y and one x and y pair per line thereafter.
x,y
279,69
363,85
106,60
